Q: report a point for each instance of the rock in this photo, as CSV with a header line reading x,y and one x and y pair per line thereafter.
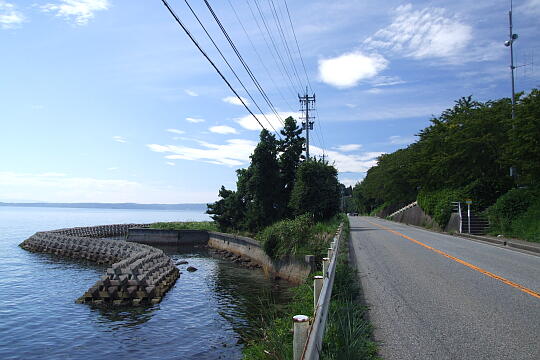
x,y
181,262
191,269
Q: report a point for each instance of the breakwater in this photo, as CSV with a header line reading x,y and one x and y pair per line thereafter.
x,y
139,274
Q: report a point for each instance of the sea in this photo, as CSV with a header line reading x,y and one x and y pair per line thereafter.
x,y
208,314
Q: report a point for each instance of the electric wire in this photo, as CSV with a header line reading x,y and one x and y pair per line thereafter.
x,y
277,21
259,57
297,46
274,43
246,66
188,33
229,65
283,74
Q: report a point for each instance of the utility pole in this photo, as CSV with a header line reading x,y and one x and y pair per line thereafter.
x,y
307,102
510,42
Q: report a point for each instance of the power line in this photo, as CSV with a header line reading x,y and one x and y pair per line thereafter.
x,y
246,66
297,46
273,42
259,57
209,60
283,74
277,21
229,65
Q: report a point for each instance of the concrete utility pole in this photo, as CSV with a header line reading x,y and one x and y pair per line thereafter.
x,y
305,102
510,43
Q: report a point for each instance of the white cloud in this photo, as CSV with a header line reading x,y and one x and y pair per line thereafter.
x,y
10,18
235,152
349,147
64,188
374,91
248,122
401,140
120,139
191,92
170,163
356,163
113,168
426,33
530,7
351,106
235,101
386,81
194,120
176,131
349,69
78,11
223,129
349,181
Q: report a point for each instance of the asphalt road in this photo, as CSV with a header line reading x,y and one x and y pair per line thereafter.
x,y
435,296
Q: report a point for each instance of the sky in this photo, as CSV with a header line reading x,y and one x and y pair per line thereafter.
x,y
109,101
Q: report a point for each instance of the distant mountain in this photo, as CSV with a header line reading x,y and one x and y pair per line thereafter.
x,y
192,207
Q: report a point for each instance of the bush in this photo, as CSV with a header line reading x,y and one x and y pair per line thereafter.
x,y
286,237
508,207
438,204
517,214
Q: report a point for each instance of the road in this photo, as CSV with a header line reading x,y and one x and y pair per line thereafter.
x,y
436,296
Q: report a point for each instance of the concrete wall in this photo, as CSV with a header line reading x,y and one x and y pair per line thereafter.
x,y
167,237
416,216
292,269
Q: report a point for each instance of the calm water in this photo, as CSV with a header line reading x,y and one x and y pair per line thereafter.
x,y
201,317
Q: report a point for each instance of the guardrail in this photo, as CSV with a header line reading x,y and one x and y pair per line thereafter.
x,y
308,333
413,204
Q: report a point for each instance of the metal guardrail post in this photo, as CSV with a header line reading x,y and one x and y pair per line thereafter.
x,y
300,333
330,253
317,286
325,263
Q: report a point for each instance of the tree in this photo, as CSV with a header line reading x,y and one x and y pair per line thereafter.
x,y
291,148
316,190
263,185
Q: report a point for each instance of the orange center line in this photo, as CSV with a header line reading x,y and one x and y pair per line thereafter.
x,y
485,272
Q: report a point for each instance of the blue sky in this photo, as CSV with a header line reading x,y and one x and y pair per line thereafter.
x,y
108,100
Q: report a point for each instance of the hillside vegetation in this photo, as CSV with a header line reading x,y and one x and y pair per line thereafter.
x,y
466,152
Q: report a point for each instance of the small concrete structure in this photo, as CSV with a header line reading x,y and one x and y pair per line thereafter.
x,y
149,236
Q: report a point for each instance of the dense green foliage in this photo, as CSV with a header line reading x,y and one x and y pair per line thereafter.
x,y
348,331
316,190
271,188
186,225
438,203
465,152
298,236
517,214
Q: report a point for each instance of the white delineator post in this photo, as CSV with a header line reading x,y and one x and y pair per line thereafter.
x,y
330,254
325,263
300,328
317,286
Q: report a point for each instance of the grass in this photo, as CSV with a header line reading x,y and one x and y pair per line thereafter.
x,y
187,225
348,334
348,331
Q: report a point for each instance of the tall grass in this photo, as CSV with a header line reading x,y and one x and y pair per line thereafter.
x,y
186,225
348,331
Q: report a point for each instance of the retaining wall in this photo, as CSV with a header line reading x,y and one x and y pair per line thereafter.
x,y
139,274
167,237
416,216
292,269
